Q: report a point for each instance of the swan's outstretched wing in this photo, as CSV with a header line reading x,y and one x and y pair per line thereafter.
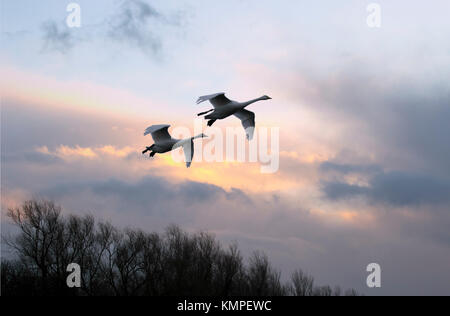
x,y
188,149
160,133
216,99
248,122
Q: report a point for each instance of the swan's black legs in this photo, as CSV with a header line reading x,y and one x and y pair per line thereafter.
x,y
152,154
205,112
211,122
147,148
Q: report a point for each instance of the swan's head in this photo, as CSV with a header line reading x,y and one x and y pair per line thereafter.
x,y
265,97
201,136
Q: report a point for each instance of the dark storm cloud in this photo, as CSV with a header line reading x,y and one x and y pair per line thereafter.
x,y
330,166
395,189
341,190
150,192
57,38
405,118
151,201
31,157
399,118
153,190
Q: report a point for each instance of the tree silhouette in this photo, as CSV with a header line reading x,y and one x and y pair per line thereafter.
x,y
134,262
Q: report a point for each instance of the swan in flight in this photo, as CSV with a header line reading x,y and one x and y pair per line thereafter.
x,y
165,143
224,107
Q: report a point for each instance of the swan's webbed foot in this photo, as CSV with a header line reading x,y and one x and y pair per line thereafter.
x,y
211,122
152,154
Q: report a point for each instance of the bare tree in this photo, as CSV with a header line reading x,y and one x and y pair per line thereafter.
x,y
229,272
303,283
337,291
263,280
40,226
351,292
322,291
133,262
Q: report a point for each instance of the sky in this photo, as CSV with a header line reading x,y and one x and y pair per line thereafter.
x,y
364,173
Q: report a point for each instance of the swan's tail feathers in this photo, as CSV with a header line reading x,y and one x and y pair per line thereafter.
x,y
206,112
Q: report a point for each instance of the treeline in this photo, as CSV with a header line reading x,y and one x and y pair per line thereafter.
x,y
133,262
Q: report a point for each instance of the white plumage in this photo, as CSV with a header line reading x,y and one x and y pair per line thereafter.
x,y
224,107
165,143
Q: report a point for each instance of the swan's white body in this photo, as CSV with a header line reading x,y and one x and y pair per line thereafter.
x,y
224,107
165,143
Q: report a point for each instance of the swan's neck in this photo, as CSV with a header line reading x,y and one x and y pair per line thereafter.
x,y
252,101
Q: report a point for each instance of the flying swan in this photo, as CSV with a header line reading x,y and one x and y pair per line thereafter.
x,y
165,143
224,107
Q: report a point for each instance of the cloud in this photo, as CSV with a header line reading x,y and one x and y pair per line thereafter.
x,y
57,38
163,201
68,153
329,166
404,119
394,188
41,158
116,152
149,192
134,26
35,157
341,190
